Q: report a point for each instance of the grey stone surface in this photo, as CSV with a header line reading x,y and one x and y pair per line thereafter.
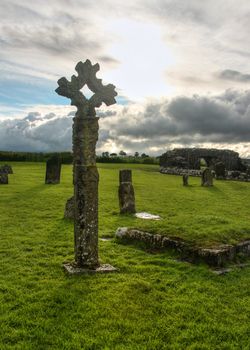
x,y
147,216
70,208
53,170
4,179
207,178
85,136
189,158
126,192
230,175
212,256
121,232
220,170
6,169
185,179
73,269
106,239
125,175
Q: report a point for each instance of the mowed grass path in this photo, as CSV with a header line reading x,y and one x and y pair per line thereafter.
x,y
154,301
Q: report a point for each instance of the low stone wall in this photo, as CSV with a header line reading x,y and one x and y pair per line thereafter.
x,y
230,175
180,171
216,257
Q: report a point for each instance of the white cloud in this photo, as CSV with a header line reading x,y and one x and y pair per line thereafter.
x,y
147,48
164,48
220,121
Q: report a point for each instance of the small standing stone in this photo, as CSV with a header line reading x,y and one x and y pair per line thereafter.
x,y
220,170
6,169
4,179
206,178
69,212
185,180
53,170
125,175
126,192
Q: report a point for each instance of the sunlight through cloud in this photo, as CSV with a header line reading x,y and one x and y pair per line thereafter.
x,y
143,58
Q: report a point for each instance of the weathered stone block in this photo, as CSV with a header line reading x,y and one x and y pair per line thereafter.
x,y
70,208
4,179
126,192
125,175
235,174
212,256
126,198
220,170
207,178
185,180
6,169
73,269
53,170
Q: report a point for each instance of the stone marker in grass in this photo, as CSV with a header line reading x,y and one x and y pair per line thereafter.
x,y
53,170
69,211
4,179
185,179
6,169
85,174
126,192
220,170
206,178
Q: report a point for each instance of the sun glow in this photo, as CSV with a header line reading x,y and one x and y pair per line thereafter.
x,y
143,58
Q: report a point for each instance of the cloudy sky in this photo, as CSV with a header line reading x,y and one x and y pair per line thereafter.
x,y
181,70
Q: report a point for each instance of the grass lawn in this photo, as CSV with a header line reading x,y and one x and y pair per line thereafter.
x,y
200,215
154,301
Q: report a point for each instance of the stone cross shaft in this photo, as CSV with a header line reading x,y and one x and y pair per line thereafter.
x,y
85,173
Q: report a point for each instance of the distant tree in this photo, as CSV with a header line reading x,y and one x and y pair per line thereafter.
x,y
144,155
122,153
136,154
113,154
105,154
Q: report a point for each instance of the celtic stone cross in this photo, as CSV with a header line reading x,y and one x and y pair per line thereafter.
x,y
85,174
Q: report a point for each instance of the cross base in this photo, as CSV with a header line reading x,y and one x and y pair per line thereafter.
x,y
72,269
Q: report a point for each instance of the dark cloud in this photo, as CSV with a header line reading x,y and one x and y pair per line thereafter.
x,y
183,120
229,74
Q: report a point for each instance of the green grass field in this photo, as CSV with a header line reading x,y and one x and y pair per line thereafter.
x,y
154,301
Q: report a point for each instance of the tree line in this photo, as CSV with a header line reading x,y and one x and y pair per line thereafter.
x,y
67,157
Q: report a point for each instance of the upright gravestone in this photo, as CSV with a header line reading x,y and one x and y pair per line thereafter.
x,y
206,178
85,174
220,170
53,170
4,179
185,179
69,212
126,192
7,169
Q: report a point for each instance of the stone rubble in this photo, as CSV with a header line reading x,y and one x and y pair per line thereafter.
x,y
229,175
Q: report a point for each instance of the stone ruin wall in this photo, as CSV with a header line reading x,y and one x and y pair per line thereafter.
x,y
189,158
181,161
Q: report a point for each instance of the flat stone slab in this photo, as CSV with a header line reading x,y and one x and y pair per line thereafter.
x,y
147,216
214,256
105,239
74,270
